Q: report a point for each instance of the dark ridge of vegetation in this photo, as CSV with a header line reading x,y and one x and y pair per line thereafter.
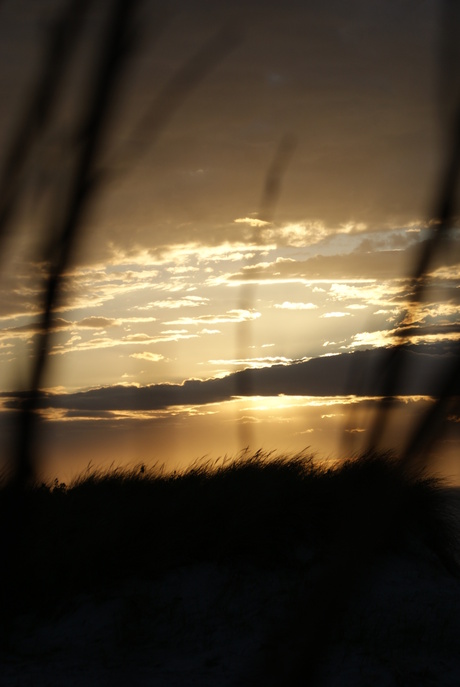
x,y
266,511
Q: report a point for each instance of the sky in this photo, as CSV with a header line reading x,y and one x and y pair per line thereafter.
x,y
266,217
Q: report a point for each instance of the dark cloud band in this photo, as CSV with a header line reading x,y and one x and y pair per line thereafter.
x,y
359,373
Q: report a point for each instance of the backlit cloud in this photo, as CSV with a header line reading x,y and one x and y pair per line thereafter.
x,y
298,235
106,342
335,314
253,363
236,315
287,305
321,377
146,355
187,302
251,221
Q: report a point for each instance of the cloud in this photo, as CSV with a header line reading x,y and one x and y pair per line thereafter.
x,y
424,366
30,329
299,234
288,305
174,332
253,363
251,221
202,253
188,301
104,342
235,315
447,331
374,339
355,266
418,334
368,293
151,357
335,314
27,331
94,322
136,320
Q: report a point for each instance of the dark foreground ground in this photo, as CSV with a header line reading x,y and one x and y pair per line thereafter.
x,y
264,572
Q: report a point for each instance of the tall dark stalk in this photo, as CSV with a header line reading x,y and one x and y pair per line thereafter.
x,y
115,48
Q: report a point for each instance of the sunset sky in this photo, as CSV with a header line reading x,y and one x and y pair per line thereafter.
x,y
187,271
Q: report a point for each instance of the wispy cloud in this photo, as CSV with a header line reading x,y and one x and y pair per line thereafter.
x,y
32,328
299,234
251,221
211,332
335,314
95,322
195,253
288,305
187,302
253,363
235,315
106,342
145,355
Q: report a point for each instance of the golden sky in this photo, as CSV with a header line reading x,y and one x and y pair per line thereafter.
x,y
186,269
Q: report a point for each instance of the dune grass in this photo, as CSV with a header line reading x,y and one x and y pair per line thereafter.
x,y
266,510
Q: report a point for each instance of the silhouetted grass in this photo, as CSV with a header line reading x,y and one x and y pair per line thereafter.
x,y
268,511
